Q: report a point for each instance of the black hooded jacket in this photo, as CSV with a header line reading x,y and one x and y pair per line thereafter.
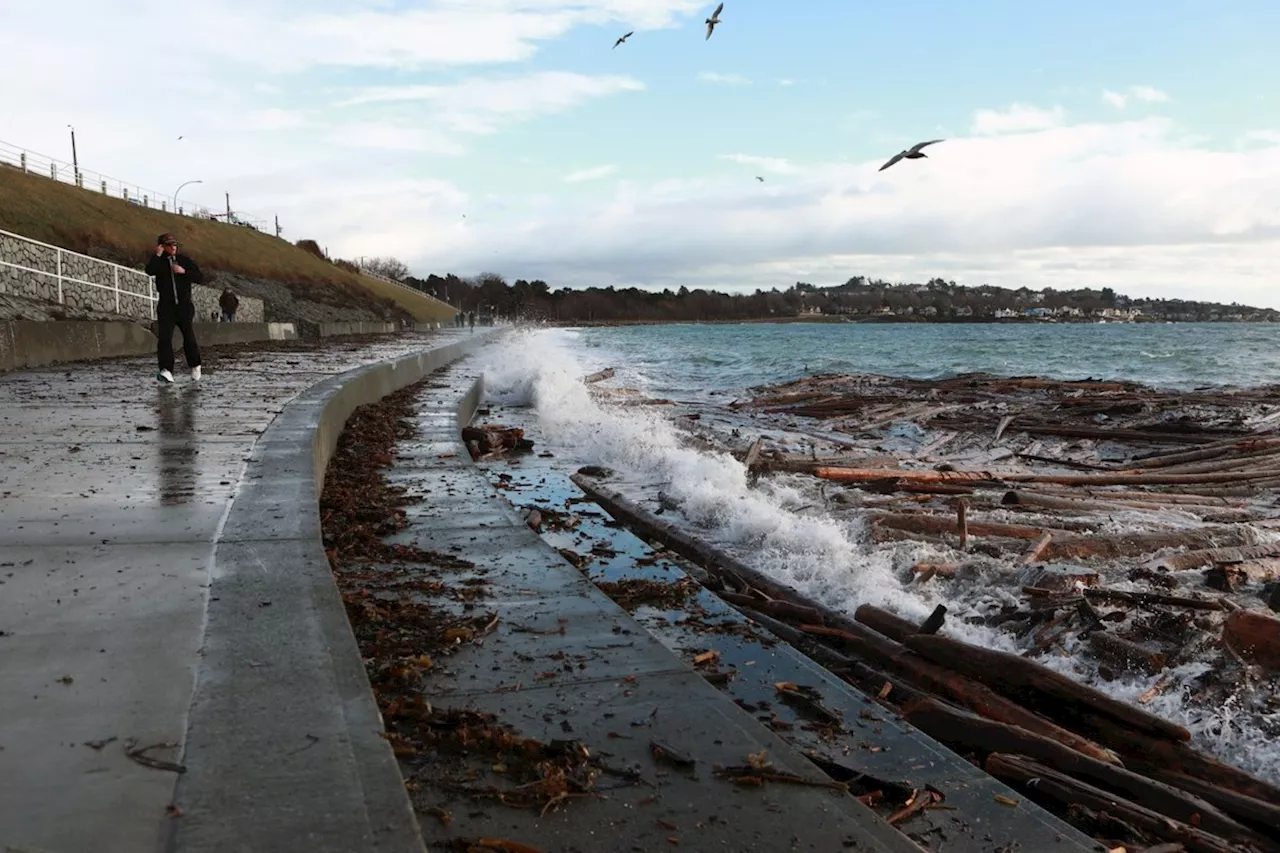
x,y
171,285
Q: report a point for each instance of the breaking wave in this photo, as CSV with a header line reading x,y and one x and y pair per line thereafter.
x,y
779,527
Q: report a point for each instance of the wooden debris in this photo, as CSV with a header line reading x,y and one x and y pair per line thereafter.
x,y
1254,636
598,376
1048,784
1125,653
1052,693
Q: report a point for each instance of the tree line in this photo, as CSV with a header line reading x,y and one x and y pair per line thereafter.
x,y
860,298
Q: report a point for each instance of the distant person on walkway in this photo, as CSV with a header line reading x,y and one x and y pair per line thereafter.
x,y
228,302
471,319
174,274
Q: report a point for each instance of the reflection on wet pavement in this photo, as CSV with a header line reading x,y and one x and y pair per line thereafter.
x,y
176,417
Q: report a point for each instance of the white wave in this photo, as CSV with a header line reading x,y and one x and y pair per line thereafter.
x,y
822,556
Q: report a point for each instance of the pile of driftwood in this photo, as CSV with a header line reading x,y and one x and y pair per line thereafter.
x,y
489,441
1116,771
1167,490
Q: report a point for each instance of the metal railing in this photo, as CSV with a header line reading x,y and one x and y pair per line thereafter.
x,y
404,286
67,173
59,273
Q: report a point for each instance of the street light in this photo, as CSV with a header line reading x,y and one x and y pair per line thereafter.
x,y
177,209
75,161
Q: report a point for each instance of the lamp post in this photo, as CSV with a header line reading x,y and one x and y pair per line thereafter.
x,y
75,161
177,209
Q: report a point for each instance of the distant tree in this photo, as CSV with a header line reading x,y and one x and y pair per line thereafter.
x,y
311,247
387,267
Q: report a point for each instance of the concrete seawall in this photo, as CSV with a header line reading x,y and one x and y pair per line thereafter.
x,y
25,343
270,549
215,334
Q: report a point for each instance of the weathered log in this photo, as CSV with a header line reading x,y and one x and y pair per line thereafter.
x,y
941,524
962,522
1096,504
889,624
1034,553
1122,478
1045,783
1253,812
934,488
598,376
1073,547
1148,754
776,607
1107,594
862,642
926,571
753,453
1126,654
1050,692
964,731
934,623
1113,494
1254,636
1234,448
1213,556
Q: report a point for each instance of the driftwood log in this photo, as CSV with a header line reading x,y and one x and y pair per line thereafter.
x,y
1046,784
969,733
1050,692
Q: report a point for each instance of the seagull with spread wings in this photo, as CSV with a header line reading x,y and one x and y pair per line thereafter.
x,y
912,153
624,38
714,19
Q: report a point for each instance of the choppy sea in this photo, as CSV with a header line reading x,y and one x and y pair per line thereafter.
x,y
777,523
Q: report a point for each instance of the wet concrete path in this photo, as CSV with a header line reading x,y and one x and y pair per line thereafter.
x,y
113,491
565,662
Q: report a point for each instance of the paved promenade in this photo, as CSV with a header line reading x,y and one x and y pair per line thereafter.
x,y
114,491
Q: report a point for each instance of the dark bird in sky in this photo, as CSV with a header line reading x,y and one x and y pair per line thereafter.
x,y
624,38
760,179
912,153
179,137
714,19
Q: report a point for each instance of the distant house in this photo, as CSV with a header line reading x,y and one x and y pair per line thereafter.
x,y
964,311
1037,312
1005,313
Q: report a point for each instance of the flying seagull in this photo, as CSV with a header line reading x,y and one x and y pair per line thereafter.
x,y
714,19
912,153
624,38
760,179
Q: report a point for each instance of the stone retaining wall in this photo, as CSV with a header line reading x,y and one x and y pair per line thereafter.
x,y
39,280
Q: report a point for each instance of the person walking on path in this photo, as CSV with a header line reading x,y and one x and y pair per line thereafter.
x,y
471,318
174,274
228,302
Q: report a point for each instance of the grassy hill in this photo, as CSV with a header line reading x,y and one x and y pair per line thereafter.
x,y
113,229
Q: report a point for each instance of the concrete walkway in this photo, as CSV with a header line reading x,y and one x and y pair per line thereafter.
x,y
114,493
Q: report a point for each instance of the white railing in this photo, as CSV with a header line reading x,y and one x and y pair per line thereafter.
x,y
404,286
67,173
64,258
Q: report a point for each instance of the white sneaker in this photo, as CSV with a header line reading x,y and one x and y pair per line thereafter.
x,y
195,373
164,376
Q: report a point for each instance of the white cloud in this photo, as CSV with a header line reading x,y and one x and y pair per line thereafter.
x,y
1115,99
276,35
1146,94
777,165
594,173
726,79
481,105
1149,94
786,81
1018,118
1132,205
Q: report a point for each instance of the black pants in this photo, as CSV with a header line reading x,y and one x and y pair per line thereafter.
x,y
180,316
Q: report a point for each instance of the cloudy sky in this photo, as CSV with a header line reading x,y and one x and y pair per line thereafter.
x,y
1129,144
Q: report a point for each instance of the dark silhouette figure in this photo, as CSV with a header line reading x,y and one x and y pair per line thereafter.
x,y
623,39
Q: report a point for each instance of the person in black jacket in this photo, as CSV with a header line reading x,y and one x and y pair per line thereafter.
x,y
174,274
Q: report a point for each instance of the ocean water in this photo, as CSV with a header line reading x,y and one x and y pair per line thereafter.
x,y
780,524
689,359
